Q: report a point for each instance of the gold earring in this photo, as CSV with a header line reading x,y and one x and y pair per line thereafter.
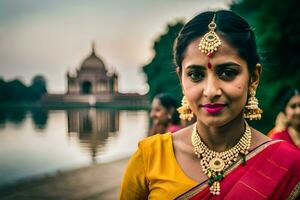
x,y
252,111
185,112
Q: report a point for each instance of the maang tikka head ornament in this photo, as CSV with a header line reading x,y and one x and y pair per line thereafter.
x,y
210,42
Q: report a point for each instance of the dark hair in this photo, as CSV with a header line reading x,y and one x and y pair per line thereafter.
x,y
169,102
233,28
287,97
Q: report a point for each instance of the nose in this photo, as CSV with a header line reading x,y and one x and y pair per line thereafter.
x,y
297,109
212,88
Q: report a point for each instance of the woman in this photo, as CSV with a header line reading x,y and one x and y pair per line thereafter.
x,y
164,115
291,132
220,156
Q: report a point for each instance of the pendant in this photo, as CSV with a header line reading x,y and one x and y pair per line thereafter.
x,y
216,164
209,43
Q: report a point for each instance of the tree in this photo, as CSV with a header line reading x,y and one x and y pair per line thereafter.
x,y
38,87
161,72
17,91
276,24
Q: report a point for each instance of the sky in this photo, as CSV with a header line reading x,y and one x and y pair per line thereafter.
x,y
52,37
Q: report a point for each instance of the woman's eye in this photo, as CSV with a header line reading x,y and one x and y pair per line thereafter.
x,y
196,75
228,74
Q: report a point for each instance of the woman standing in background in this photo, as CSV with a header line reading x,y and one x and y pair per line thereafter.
x,y
164,115
291,119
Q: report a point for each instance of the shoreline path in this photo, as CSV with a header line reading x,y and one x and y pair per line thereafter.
x,y
99,181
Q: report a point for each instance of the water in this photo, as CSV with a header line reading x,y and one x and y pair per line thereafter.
x,y
40,142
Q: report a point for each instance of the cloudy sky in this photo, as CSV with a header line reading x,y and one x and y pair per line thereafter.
x,y
51,37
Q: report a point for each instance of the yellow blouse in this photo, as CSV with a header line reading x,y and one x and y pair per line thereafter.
x,y
153,172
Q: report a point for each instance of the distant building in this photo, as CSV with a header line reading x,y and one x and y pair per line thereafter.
x,y
92,77
93,85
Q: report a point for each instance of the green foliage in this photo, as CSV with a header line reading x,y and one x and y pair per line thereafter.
x,y
161,72
16,91
38,86
277,29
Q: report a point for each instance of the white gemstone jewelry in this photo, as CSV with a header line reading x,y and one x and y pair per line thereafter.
x,y
215,163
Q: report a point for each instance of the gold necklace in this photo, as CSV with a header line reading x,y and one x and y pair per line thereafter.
x,y
214,163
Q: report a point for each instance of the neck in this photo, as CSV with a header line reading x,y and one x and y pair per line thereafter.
x,y
296,128
222,138
295,136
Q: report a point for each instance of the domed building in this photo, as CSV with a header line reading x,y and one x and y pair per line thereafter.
x,y
92,77
93,85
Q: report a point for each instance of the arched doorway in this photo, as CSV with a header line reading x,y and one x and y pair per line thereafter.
x,y
86,87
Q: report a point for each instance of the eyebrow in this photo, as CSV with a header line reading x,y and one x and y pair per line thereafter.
x,y
194,66
223,65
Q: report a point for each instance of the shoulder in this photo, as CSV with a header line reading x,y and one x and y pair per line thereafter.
x,y
288,149
156,139
289,156
283,148
155,143
285,154
258,138
156,151
150,151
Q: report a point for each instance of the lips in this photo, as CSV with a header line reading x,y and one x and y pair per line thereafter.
x,y
214,108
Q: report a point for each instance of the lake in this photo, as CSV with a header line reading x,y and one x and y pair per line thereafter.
x,y
37,142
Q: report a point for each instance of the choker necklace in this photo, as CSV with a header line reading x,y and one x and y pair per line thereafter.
x,y
215,163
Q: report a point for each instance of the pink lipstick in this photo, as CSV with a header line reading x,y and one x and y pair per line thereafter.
x,y
214,108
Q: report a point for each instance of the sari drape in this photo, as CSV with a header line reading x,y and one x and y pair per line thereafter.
x,y
271,172
284,135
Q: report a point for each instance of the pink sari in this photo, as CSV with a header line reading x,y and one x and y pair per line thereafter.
x,y
173,128
272,171
284,135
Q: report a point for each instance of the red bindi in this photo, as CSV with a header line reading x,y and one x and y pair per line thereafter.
x,y
209,65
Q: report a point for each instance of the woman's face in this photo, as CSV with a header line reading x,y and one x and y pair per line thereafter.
x,y
216,87
292,111
159,114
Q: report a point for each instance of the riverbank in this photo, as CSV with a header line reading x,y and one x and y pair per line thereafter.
x,y
97,182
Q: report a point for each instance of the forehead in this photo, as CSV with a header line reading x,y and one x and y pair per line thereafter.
x,y
294,100
225,53
156,103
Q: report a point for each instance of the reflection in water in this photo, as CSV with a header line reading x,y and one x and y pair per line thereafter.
x,y
70,139
18,115
93,128
15,115
2,117
39,118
